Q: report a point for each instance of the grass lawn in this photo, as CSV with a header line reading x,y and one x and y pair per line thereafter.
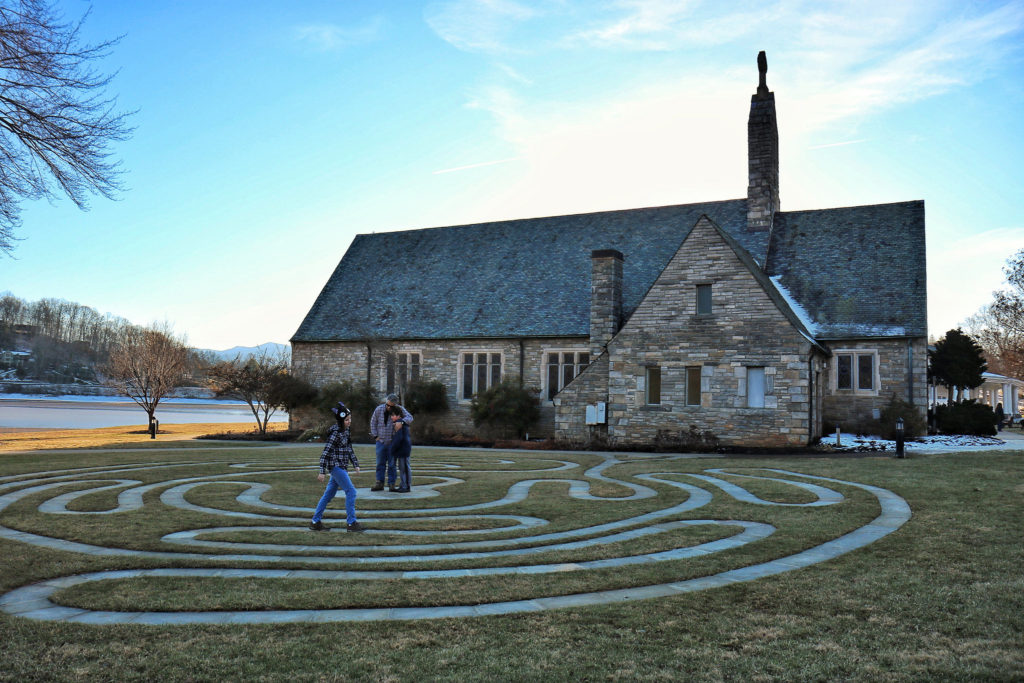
x,y
941,598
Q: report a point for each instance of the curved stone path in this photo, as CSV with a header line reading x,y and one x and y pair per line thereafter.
x,y
34,601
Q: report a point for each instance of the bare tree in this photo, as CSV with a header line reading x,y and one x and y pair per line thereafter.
x,y
263,382
999,326
146,364
56,119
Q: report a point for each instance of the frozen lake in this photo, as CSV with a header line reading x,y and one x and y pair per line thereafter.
x,y
19,411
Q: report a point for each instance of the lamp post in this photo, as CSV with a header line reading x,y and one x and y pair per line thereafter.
x,y
899,438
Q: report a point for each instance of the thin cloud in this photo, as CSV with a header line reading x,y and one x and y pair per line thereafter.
x,y
838,144
478,25
479,165
330,37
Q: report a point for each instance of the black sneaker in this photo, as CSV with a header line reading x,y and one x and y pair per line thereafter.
x,y
377,486
404,489
393,488
317,526
355,526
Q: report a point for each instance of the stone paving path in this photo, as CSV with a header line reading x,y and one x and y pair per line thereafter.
x,y
34,601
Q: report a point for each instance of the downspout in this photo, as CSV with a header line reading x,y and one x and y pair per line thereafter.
x,y
910,372
369,364
810,398
522,362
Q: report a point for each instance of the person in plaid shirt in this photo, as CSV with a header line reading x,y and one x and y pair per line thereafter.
x,y
334,463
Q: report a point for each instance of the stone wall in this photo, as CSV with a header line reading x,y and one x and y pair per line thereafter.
x,y
324,362
895,376
745,329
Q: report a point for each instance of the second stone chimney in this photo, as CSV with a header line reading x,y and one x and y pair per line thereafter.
x,y
762,155
605,298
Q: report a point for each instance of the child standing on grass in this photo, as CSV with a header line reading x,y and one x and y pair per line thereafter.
x,y
334,462
401,448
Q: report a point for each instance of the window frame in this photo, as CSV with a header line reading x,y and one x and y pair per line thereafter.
x,y
763,385
561,383
488,372
856,375
693,372
650,373
393,384
704,303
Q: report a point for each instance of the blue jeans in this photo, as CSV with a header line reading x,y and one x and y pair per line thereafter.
x,y
384,459
339,479
404,473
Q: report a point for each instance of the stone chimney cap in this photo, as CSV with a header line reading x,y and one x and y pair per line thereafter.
x,y
607,253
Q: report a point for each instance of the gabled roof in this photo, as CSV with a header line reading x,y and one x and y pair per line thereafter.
x,y
858,271
531,277
520,278
778,298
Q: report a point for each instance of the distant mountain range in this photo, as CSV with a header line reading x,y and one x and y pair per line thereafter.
x,y
272,348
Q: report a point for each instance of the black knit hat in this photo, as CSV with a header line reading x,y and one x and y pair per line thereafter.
x,y
340,411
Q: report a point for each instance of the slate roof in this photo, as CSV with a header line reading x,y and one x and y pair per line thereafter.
x,y
531,277
858,271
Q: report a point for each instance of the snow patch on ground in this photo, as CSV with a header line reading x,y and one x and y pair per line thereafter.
x,y
927,444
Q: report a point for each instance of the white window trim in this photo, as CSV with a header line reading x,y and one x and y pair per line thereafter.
x,y
459,374
855,370
544,367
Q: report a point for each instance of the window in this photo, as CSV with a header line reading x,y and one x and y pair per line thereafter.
x,y
402,368
653,391
693,386
856,371
703,299
480,371
755,387
562,367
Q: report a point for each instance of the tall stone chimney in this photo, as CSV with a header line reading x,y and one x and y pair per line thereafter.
x,y
605,298
762,155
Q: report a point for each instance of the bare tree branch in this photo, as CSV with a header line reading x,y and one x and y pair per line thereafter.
x,y
56,119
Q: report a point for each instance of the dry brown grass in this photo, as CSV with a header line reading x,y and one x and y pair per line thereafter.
x,y
117,436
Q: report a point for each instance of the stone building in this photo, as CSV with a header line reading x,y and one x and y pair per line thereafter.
x,y
731,319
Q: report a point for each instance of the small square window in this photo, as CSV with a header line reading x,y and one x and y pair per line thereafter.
x,y
703,299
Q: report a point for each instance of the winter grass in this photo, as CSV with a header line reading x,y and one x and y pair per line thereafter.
x,y
940,599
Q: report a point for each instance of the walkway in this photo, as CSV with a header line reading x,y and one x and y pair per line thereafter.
x,y
35,601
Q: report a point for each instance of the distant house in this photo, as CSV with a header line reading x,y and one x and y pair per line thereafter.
x,y
747,322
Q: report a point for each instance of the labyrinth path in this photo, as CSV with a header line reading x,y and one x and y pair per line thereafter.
x,y
472,515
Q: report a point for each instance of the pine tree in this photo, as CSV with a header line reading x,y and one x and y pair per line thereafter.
x,y
958,362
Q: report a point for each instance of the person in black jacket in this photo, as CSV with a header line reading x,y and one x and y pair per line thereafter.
x,y
401,448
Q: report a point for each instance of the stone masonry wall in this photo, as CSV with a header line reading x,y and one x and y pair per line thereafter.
x,y
323,362
852,407
745,329
588,388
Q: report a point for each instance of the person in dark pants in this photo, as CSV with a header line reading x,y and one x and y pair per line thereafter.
x,y
1000,416
382,430
401,448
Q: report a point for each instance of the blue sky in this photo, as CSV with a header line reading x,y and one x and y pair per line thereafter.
x,y
269,134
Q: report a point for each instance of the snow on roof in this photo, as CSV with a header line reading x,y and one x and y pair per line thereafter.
x,y
797,309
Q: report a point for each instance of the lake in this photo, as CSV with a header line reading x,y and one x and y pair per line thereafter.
x,y
19,411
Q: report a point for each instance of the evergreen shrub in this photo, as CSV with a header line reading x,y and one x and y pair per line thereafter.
x,y
508,407
967,417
